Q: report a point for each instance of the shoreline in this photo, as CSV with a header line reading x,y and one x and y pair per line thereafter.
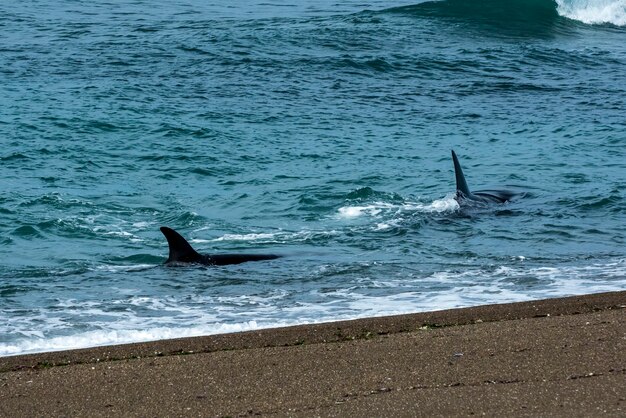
x,y
323,332
554,353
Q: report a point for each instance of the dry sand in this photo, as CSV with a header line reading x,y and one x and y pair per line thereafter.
x,y
556,357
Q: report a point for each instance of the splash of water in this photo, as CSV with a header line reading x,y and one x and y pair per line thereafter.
x,y
447,204
594,11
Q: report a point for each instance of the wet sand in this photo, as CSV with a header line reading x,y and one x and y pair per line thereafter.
x,y
556,357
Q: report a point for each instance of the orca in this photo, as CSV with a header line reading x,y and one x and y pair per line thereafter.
x,y
464,196
182,253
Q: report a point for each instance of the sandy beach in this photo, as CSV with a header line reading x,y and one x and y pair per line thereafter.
x,y
555,357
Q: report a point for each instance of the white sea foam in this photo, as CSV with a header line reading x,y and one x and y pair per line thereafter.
x,y
142,225
447,204
594,11
247,237
269,237
130,268
356,211
124,234
110,337
134,318
385,225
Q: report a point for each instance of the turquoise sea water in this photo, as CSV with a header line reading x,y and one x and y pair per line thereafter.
x,y
322,133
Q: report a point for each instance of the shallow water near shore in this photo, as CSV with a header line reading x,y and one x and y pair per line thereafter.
x,y
321,133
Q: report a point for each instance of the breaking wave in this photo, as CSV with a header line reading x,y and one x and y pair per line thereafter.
x,y
594,11
527,13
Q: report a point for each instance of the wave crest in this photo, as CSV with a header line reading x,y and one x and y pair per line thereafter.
x,y
531,16
594,11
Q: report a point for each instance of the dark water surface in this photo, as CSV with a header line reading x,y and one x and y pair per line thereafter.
x,y
322,133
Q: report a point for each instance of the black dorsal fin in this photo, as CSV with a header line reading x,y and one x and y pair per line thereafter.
x,y
461,184
180,250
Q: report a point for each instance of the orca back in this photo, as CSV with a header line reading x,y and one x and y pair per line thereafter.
x,y
227,259
464,195
182,252
498,196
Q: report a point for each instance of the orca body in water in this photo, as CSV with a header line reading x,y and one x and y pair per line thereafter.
x,y
181,252
464,195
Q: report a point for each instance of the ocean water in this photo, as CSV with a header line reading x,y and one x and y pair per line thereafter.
x,y
321,133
